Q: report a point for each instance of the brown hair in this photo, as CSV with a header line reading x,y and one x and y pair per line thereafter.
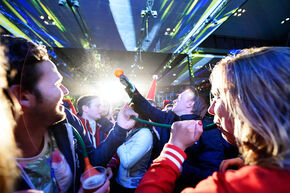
x,y
84,100
24,57
8,149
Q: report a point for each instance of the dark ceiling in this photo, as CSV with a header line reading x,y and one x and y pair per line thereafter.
x,y
261,21
91,41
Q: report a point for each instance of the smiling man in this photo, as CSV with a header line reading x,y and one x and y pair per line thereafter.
x,y
52,159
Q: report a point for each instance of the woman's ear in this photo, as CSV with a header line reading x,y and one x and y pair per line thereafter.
x,y
24,97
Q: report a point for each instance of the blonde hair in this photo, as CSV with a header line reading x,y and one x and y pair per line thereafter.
x,y
8,150
255,90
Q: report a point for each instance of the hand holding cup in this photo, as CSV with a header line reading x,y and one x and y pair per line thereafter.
x,y
93,179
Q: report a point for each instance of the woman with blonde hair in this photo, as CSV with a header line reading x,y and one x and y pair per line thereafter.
x,y
251,107
8,150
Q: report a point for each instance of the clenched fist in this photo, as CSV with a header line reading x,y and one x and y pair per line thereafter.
x,y
185,133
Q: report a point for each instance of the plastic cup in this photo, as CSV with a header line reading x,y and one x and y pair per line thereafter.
x,y
93,179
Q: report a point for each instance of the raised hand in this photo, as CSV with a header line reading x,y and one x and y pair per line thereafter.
x,y
124,119
185,133
231,163
105,188
109,173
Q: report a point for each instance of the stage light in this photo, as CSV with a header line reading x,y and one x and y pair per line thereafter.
x,y
154,14
47,20
239,12
75,3
61,2
149,12
143,13
169,31
283,21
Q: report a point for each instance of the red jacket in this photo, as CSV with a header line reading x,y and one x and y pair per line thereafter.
x,y
164,171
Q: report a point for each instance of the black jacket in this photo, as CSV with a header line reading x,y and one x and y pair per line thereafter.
x,y
204,157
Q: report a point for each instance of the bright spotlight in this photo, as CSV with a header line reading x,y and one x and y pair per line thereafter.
x,y
113,91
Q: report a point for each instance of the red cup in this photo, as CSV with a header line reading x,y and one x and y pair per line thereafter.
x,y
93,179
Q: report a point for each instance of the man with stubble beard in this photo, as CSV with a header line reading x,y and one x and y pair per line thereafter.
x,y
52,159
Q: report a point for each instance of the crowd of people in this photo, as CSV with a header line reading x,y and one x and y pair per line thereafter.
x,y
247,151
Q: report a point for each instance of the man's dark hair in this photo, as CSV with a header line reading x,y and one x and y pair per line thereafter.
x,y
200,106
168,106
24,57
84,100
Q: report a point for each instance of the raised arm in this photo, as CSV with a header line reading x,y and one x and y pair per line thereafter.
x,y
104,152
161,176
143,107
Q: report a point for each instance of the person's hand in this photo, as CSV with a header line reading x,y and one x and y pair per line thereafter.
x,y
125,81
109,173
29,191
124,119
105,188
185,133
130,88
234,162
